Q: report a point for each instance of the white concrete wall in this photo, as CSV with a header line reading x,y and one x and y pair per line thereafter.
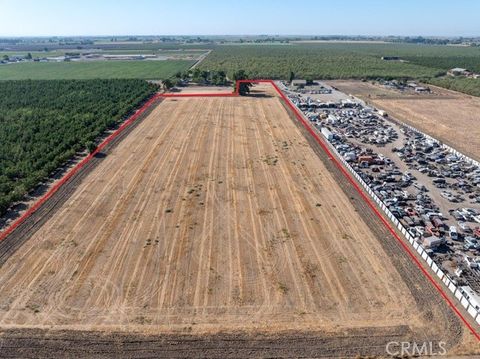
x,y
428,260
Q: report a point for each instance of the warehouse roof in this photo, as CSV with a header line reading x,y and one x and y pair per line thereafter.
x,y
299,82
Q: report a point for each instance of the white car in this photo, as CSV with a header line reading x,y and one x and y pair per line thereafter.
x,y
420,230
464,227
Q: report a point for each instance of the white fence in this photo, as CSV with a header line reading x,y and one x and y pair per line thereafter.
x,y
416,246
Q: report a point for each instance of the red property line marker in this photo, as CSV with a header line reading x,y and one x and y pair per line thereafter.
x,y
374,208
76,168
218,94
307,126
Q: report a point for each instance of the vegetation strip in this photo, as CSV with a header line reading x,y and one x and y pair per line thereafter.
x,y
56,120
77,168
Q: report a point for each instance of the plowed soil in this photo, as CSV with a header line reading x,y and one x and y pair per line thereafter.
x,y
216,216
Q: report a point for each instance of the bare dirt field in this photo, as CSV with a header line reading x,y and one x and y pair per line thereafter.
x,y
214,216
452,117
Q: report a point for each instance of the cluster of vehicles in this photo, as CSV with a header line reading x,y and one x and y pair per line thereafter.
x,y
458,179
419,184
362,125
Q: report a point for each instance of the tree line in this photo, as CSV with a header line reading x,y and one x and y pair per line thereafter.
x,y
201,77
427,63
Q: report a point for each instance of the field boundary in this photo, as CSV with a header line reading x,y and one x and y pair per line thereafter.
x,y
307,126
362,193
15,224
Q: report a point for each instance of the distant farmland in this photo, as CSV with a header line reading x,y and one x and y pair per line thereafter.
x,y
326,61
93,70
347,61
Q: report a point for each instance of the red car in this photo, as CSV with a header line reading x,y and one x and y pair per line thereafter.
x,y
411,212
476,232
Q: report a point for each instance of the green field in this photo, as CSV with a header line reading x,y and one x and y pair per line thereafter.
x,y
91,70
465,85
342,60
55,53
348,61
44,123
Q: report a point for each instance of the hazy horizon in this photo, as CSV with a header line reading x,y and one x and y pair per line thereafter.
x,y
428,18
306,36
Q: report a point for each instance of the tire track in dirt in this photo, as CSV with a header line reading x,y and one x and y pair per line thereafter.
x,y
341,248
331,276
168,179
187,243
430,304
259,241
122,247
192,171
204,268
147,197
282,222
84,268
137,281
207,276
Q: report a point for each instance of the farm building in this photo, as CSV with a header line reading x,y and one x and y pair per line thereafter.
x,y
457,71
299,83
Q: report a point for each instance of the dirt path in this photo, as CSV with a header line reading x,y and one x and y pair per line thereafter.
x,y
201,58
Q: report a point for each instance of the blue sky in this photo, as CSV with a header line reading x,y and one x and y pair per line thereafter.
x,y
209,17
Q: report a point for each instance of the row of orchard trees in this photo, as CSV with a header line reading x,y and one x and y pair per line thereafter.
x,y
203,77
44,123
316,62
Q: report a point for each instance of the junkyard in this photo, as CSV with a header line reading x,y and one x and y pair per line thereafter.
x,y
433,192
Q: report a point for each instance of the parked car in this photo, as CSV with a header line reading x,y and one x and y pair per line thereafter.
x,y
453,233
465,227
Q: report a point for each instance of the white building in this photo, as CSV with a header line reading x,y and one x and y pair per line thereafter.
x,y
457,71
299,83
